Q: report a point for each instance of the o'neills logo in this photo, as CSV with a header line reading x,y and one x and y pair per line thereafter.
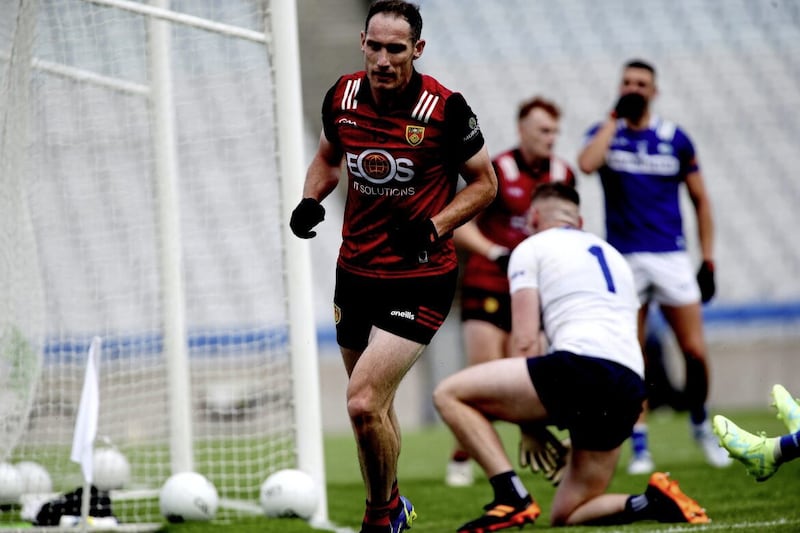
x,y
415,134
403,314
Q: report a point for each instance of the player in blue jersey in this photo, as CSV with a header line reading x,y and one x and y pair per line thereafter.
x,y
643,160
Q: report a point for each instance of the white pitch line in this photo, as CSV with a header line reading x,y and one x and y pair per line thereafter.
x,y
748,526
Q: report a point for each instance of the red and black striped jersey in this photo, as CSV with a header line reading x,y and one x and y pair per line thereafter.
x,y
504,221
402,164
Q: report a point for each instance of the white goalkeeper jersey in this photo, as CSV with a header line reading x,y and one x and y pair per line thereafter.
x,y
587,294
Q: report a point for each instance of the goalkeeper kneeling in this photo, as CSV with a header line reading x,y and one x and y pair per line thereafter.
x,y
590,383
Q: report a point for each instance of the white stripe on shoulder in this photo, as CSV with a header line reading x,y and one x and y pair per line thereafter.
x,y
349,100
425,106
558,170
508,167
666,130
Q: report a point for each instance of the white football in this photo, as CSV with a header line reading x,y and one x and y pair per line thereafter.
x,y
289,493
10,484
188,496
35,478
111,469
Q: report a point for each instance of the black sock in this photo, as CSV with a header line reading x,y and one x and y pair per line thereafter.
x,y
696,389
636,508
508,488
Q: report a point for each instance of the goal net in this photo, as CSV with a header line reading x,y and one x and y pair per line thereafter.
x,y
141,202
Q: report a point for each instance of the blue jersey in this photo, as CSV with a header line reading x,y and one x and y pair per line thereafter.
x,y
641,178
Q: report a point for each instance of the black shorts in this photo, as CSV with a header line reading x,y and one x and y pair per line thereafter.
x,y
486,306
412,308
597,400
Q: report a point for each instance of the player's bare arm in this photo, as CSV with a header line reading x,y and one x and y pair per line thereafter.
x,y
593,154
705,221
481,189
525,326
324,171
470,238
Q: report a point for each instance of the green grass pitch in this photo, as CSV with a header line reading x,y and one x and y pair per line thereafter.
x,y
733,500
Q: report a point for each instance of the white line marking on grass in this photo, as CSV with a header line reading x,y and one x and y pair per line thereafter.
x,y
748,526
330,526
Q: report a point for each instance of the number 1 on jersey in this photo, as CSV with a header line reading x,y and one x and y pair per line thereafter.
x,y
598,253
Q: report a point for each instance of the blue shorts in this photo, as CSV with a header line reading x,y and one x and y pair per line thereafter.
x,y
597,400
412,308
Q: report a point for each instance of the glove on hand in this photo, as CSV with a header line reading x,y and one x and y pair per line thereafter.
x,y
705,279
543,452
414,239
305,216
500,255
630,106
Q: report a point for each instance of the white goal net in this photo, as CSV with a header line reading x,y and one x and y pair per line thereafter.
x,y
141,202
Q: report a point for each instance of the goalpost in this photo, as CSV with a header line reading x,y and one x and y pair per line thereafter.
x,y
151,154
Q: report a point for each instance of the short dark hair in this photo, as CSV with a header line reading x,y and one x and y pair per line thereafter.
x,y
399,8
640,63
556,189
546,105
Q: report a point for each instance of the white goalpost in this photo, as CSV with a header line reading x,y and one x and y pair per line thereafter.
x,y
151,154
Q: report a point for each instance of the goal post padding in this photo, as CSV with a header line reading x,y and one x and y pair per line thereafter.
x,y
153,172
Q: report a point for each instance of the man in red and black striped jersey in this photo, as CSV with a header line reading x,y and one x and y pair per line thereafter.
x,y
404,139
490,237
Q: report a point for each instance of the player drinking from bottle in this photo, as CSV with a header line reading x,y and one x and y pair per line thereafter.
x,y
590,382
643,160
404,139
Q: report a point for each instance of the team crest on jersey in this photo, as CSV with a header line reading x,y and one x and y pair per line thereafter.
x,y
415,134
337,314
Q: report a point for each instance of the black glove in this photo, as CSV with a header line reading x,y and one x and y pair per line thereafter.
x,y
630,106
414,239
305,216
705,279
69,504
500,255
502,262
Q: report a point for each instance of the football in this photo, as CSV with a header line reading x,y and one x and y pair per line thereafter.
x,y
111,469
289,493
188,497
35,478
10,484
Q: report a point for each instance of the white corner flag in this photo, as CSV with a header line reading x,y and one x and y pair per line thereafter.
x,y
86,423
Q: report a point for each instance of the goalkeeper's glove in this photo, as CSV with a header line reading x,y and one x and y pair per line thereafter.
x,y
414,239
705,279
308,213
500,255
543,452
630,106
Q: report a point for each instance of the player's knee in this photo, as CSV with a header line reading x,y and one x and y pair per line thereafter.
x,y
443,396
559,517
692,346
362,407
